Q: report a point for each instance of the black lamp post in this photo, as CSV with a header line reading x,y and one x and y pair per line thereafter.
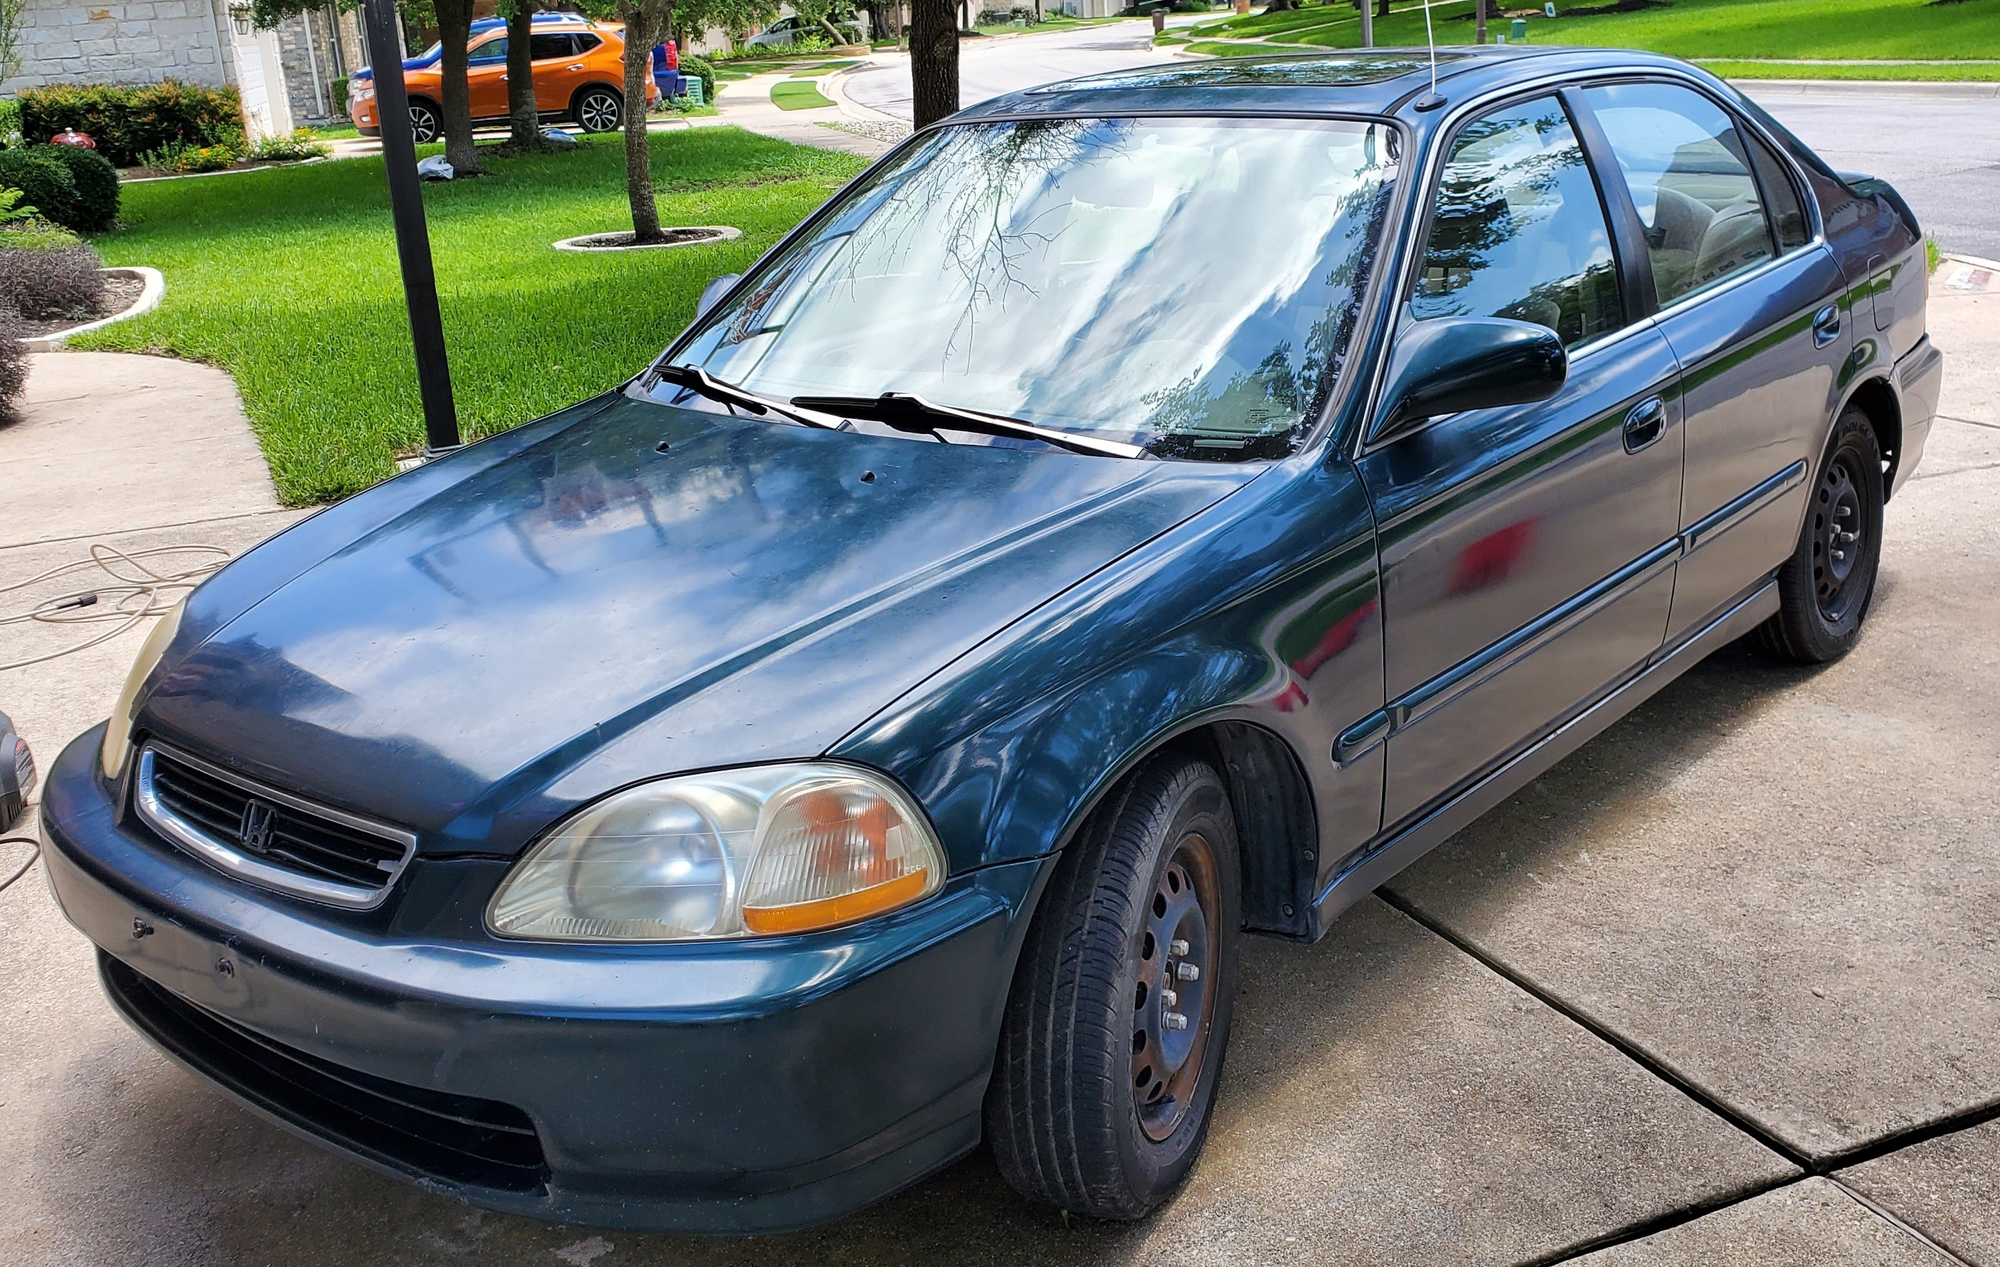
x,y
413,239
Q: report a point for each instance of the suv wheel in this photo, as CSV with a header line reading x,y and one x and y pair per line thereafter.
x,y
1825,587
1114,1034
424,123
600,110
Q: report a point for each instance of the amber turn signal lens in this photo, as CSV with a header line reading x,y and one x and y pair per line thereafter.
x,y
801,917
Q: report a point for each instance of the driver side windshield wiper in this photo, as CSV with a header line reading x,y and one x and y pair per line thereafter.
x,y
699,380
912,413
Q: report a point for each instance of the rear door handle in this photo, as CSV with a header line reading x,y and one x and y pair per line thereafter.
x,y
578,66
1645,422
1826,325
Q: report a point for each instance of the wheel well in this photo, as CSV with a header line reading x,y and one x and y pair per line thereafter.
x,y
1877,399
1277,832
577,96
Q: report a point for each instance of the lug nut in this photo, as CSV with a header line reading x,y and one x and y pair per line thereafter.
x,y
1187,972
1169,998
1177,947
1173,1020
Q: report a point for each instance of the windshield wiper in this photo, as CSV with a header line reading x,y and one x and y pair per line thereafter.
x,y
699,380
908,412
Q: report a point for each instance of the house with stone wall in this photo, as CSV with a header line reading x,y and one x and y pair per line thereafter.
x,y
289,76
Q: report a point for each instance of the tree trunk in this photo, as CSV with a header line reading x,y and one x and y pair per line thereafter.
x,y
933,60
1382,10
1280,6
454,29
641,33
523,116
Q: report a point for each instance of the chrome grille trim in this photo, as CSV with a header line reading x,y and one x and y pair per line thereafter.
x,y
226,857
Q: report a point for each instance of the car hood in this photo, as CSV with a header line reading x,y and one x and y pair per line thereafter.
x,y
588,610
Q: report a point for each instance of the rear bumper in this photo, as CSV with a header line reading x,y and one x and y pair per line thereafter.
x,y
1919,379
724,1088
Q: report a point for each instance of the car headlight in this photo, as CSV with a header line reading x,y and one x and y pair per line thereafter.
x,y
737,853
118,734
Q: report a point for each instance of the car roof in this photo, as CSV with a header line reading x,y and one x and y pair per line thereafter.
x,y
1382,81
544,18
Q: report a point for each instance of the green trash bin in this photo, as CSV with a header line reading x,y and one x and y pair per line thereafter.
x,y
693,90
1519,32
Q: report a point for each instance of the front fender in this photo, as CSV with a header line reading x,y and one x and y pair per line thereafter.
x,y
1263,610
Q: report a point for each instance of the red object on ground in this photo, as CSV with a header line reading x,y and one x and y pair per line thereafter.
x,y
70,136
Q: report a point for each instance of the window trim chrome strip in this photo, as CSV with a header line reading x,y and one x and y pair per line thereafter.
x,y
231,862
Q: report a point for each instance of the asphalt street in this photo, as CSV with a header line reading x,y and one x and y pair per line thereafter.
x,y
1940,149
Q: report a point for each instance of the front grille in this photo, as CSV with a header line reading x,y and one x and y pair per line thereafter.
x,y
454,1138
266,836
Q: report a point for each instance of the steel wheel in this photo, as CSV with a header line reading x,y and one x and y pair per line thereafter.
x,y
1825,588
1175,998
423,122
1118,1022
600,110
1840,524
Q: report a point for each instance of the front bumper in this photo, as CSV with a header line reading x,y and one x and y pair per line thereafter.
x,y
741,1087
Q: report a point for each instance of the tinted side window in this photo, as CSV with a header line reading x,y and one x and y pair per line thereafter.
x,y
1690,179
1781,196
1519,230
490,51
584,43
543,48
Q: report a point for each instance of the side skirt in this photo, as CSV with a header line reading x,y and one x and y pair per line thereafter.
x,y
1381,863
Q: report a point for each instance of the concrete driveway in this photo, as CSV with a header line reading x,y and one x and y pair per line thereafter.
x,y
1724,987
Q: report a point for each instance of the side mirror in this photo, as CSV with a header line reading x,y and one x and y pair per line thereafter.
x,y
1449,364
712,293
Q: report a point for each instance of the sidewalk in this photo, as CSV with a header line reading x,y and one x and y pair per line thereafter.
x,y
135,452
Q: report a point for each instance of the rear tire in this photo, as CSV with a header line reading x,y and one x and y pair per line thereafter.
x,y
1825,588
1114,1034
600,110
425,124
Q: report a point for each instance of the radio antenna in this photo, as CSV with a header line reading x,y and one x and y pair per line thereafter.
x,y
1431,39
1430,100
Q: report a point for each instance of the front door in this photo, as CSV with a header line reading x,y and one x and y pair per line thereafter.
x,y
486,78
1749,304
1526,552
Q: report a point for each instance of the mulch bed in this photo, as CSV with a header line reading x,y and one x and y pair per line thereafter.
x,y
120,293
675,237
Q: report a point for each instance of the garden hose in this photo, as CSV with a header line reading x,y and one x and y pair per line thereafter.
x,y
23,868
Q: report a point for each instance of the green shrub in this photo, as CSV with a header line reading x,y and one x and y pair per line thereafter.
x,y
96,187
10,121
301,144
13,359
46,282
185,159
699,68
45,183
128,122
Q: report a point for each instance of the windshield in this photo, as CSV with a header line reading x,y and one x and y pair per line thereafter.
x,y
1185,284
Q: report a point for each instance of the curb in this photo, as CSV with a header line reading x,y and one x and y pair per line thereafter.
x,y
149,299
1869,88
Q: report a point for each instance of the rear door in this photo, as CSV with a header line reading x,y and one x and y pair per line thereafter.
x,y
559,69
1526,552
1750,303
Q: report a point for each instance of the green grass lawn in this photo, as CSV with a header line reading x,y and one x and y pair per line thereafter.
x,y
1710,29
287,278
798,94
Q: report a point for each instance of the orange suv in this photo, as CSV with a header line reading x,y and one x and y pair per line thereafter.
x,y
579,77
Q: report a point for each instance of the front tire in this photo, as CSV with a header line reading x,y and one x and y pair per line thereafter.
x,y
1114,1035
600,110
425,125
1825,588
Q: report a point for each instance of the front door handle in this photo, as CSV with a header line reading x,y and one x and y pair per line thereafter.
x,y
1645,422
1826,325
578,66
